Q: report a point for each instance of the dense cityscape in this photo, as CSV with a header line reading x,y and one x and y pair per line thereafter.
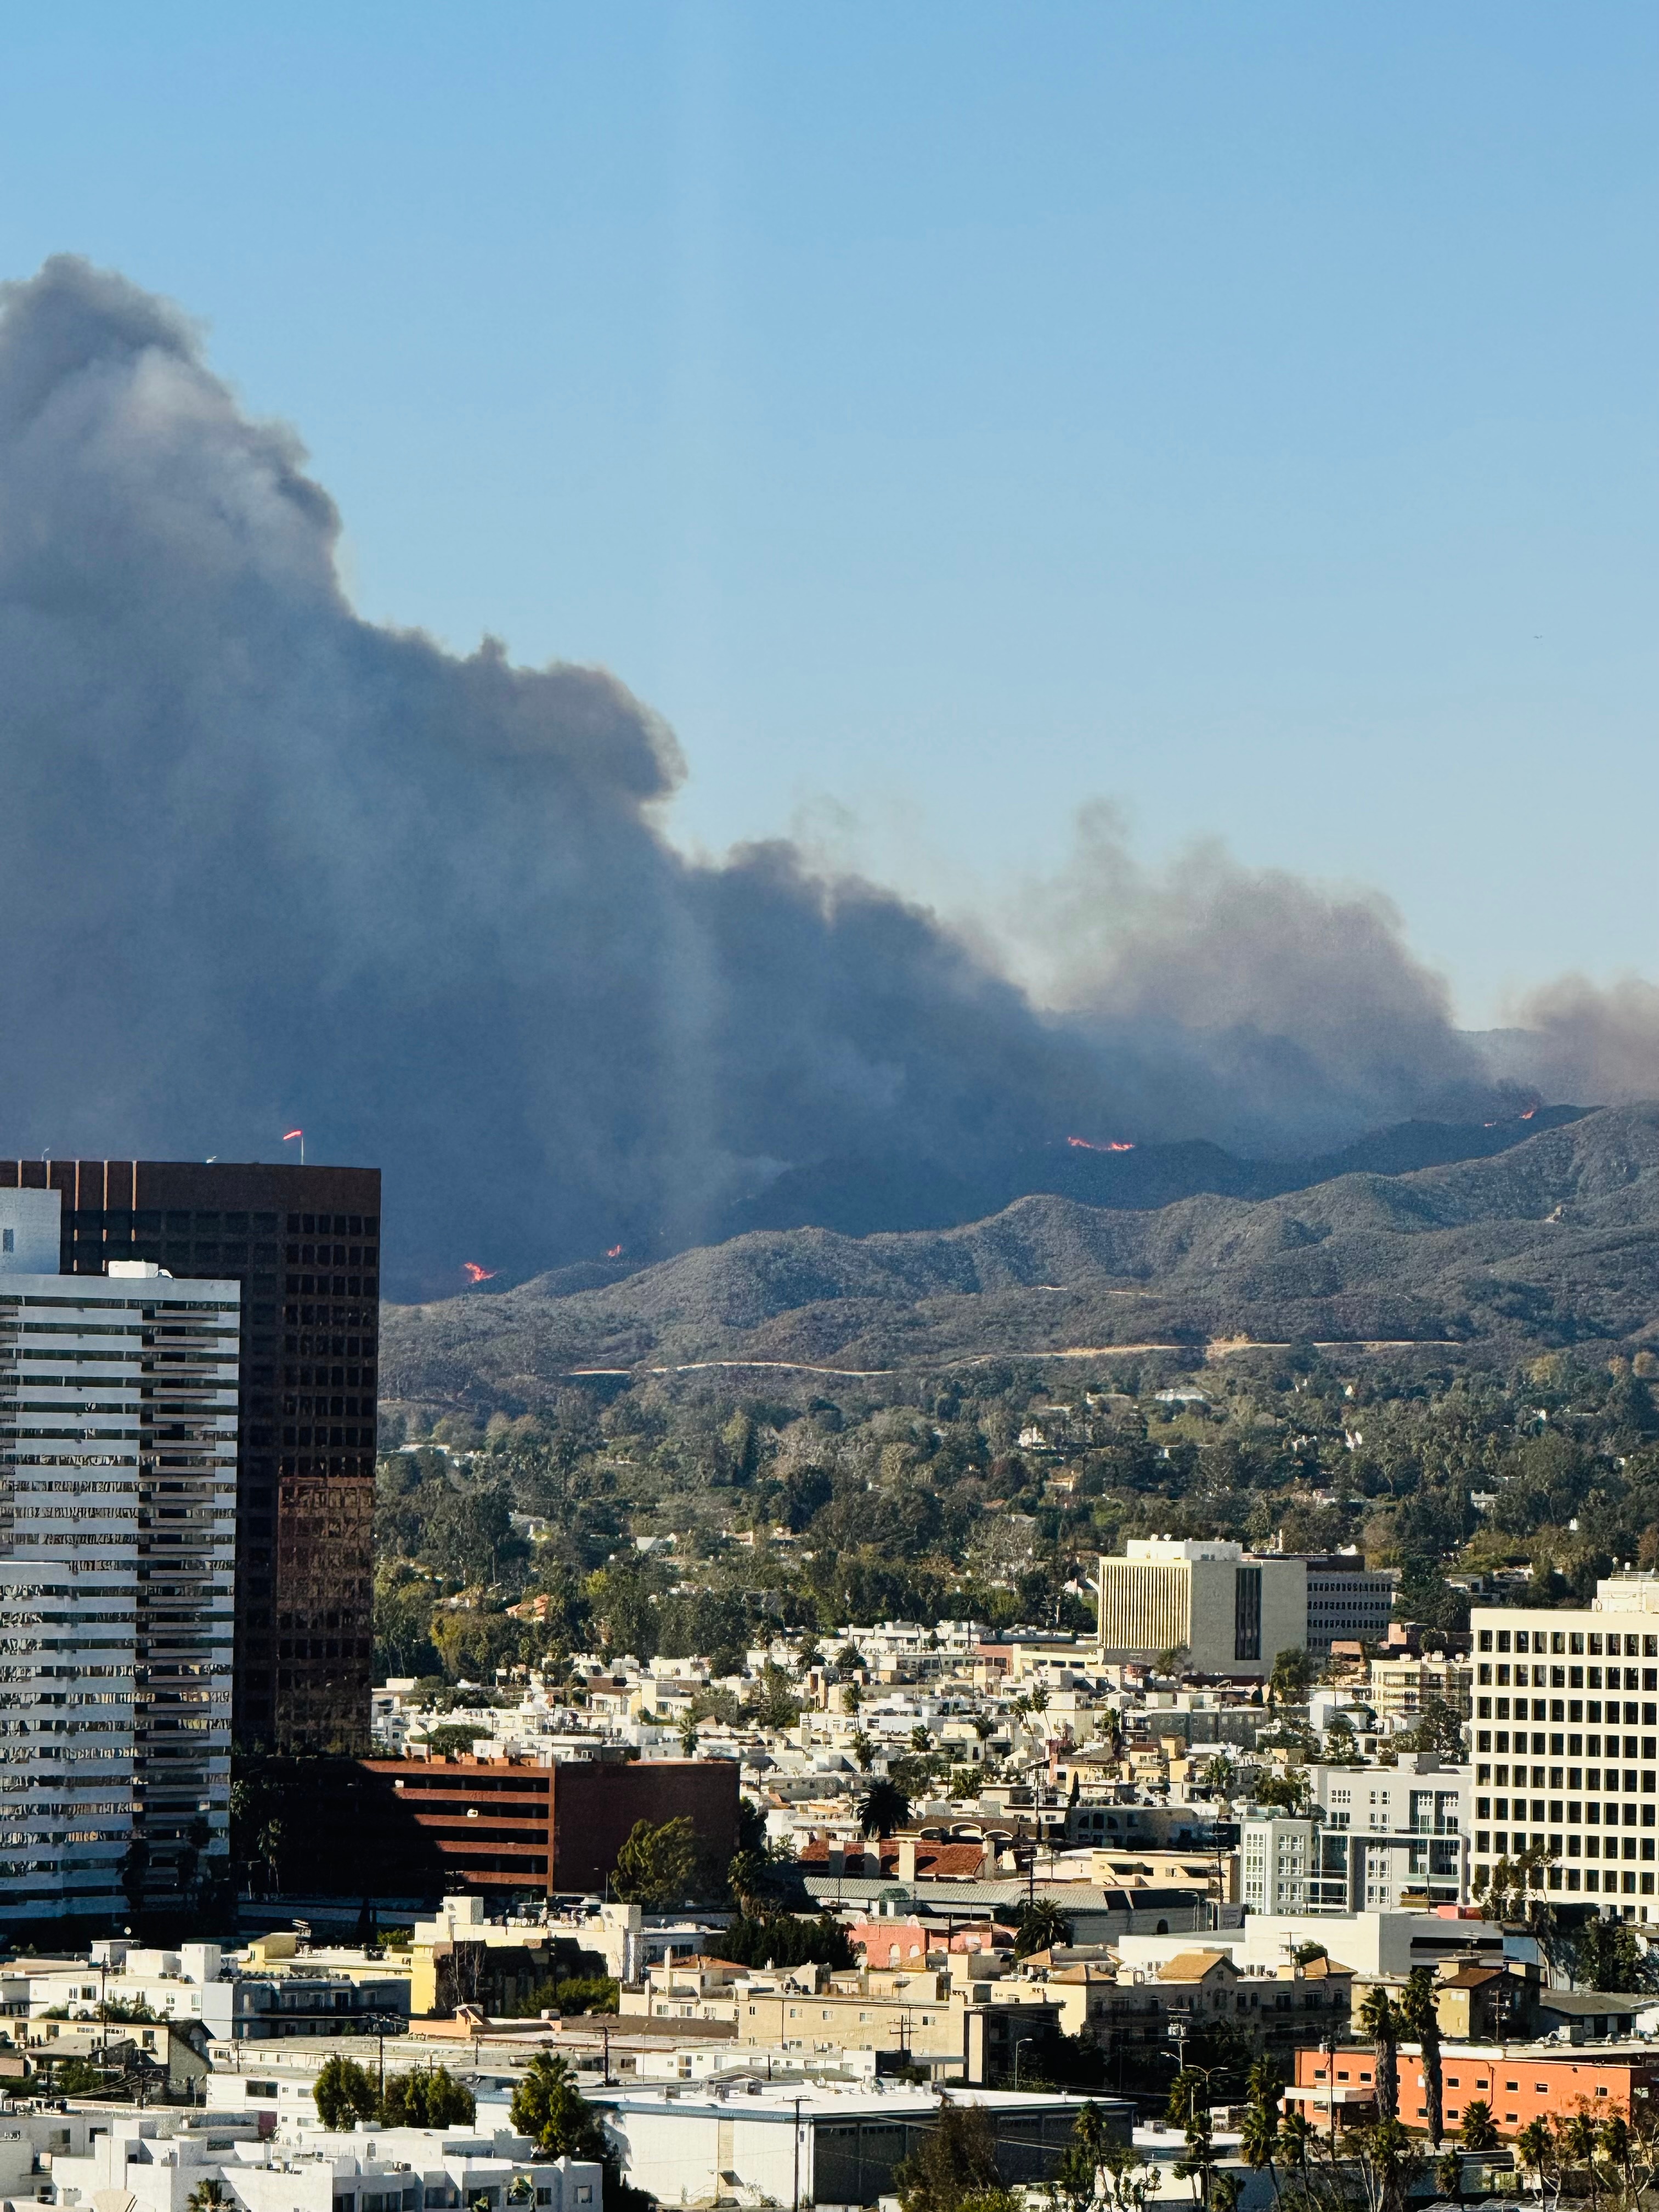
x,y
1232,1775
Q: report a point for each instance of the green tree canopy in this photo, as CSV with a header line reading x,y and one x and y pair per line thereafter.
x,y
344,2093
655,1864
430,2097
548,2108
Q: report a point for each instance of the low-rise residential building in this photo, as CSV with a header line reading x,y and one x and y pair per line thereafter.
x,y
136,2160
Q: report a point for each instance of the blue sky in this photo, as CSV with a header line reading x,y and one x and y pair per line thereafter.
x,y
946,415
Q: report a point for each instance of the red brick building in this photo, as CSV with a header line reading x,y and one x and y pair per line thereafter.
x,y
1529,2082
510,1825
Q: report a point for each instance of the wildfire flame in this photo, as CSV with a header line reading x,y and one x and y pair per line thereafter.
x,y
474,1273
613,1251
288,1135
1114,1145
1528,1113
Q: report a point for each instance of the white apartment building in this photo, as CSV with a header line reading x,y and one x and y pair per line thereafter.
x,y
141,2162
1566,1741
1230,1610
1373,1837
1279,1865
117,1490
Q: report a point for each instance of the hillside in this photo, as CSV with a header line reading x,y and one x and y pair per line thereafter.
x,y
1553,1240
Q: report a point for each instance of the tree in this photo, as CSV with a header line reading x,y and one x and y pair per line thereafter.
x,y
430,2097
1197,2163
1480,2129
548,2108
270,1851
655,1864
1420,2018
1386,2151
1439,1731
1608,1957
1575,2136
883,1807
344,2093
454,1740
207,2197
1258,2141
1288,1792
746,1879
1293,1676
1041,1925
954,2165
1296,2134
1379,2020
1534,2151
1449,2176
1096,2174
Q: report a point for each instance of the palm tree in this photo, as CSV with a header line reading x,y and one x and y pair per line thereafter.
x,y
689,1740
207,2197
1420,2020
1296,2134
1380,2021
883,1808
1259,2140
1041,1925
1199,2161
1535,2147
1479,2130
1449,2176
1387,2150
1578,2149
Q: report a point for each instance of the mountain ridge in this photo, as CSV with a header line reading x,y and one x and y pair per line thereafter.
x,y
1550,1240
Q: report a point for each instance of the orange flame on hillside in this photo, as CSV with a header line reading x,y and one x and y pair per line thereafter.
x,y
474,1273
613,1252
1083,1145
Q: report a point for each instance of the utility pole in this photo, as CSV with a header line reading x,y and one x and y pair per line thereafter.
x,y
797,2199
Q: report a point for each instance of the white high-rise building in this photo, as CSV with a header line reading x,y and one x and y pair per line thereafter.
x,y
118,1496
1578,1783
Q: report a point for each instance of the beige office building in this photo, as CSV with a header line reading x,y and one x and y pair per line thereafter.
x,y
1227,1612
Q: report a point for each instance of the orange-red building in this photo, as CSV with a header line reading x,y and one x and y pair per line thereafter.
x,y
1531,2082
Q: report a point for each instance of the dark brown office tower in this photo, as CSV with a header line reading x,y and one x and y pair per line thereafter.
x,y
305,1244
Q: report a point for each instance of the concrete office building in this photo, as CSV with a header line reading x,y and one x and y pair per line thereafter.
x,y
1566,1742
118,1487
1229,1612
303,1244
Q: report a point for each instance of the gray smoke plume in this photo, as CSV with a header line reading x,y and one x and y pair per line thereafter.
x,y
263,863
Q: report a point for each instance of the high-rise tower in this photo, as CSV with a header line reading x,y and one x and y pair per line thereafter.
x,y
117,1494
303,1244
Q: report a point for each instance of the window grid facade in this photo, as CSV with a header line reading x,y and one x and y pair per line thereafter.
x,y
1580,1779
118,1478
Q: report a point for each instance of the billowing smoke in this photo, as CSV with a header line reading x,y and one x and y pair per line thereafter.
x,y
263,863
